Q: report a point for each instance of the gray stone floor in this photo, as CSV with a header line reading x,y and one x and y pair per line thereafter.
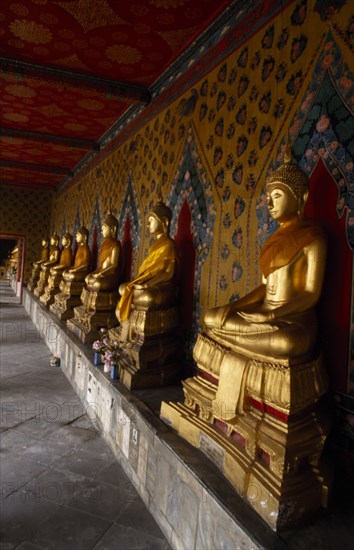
x,y
61,486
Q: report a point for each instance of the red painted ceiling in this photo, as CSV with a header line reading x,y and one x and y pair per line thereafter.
x,y
71,68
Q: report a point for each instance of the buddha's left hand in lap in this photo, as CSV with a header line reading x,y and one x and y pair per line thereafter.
x,y
257,317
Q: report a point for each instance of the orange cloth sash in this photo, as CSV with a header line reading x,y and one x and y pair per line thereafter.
x,y
287,241
54,252
66,257
106,248
161,254
83,256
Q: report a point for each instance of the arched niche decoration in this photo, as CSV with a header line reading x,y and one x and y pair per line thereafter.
x,y
95,234
127,250
190,198
187,256
324,148
129,226
335,304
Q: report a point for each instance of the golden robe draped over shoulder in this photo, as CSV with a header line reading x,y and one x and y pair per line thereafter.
x,y
83,256
107,246
66,257
54,253
285,244
45,254
161,254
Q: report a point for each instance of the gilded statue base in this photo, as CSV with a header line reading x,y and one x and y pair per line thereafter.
x,y
42,283
52,288
33,282
271,450
150,354
97,310
66,300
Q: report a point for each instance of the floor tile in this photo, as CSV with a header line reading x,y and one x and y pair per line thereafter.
x,y
127,537
62,486
22,513
70,529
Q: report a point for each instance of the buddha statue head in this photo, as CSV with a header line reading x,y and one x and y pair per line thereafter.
x,y
82,235
45,241
287,190
54,240
66,239
159,219
109,226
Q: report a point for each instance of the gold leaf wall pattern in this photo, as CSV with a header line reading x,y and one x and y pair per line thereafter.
x,y
240,113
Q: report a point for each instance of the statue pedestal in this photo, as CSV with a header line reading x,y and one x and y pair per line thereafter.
x,y
32,283
42,282
97,310
67,299
151,350
270,451
52,288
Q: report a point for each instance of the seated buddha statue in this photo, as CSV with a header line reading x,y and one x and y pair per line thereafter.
x,y
105,276
259,370
147,308
73,278
99,296
54,254
66,254
36,266
56,270
278,318
82,257
154,285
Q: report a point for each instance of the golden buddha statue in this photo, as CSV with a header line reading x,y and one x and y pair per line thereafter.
x,y
73,278
53,259
260,373
56,271
36,266
147,311
154,284
105,277
99,297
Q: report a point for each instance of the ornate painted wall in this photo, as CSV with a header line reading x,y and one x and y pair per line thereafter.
x,y
26,213
212,138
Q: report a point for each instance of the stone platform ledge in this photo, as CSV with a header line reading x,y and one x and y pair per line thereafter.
x,y
193,504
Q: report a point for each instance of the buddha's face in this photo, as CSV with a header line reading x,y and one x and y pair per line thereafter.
x,y
79,238
155,225
64,241
44,242
54,241
106,231
282,204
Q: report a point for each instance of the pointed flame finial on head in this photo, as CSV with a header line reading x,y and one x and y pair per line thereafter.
x,y
290,175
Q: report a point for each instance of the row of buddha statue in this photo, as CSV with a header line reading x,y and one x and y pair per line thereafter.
x,y
145,308
254,403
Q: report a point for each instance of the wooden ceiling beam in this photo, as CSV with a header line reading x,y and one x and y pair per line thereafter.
x,y
86,144
122,91
35,167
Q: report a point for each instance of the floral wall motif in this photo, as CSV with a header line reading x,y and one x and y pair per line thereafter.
x,y
292,78
26,213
